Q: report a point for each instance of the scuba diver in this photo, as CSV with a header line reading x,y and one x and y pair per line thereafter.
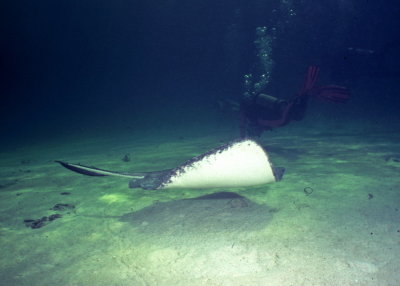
x,y
261,112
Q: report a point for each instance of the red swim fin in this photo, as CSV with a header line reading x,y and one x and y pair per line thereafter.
x,y
332,93
311,78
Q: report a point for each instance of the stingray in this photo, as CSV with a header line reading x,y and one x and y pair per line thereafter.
x,y
240,163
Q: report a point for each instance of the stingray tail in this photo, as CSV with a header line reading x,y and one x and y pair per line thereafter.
x,y
93,171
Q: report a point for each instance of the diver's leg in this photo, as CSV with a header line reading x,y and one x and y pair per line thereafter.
x,y
298,108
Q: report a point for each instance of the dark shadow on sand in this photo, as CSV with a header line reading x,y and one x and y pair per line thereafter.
x,y
215,213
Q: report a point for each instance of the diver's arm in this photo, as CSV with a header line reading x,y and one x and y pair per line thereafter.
x,y
243,125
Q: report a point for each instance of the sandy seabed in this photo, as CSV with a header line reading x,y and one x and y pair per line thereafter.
x,y
333,220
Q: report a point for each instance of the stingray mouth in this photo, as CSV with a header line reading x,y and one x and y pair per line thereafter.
x,y
278,173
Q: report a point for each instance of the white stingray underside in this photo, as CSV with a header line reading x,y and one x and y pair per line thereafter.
x,y
241,164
